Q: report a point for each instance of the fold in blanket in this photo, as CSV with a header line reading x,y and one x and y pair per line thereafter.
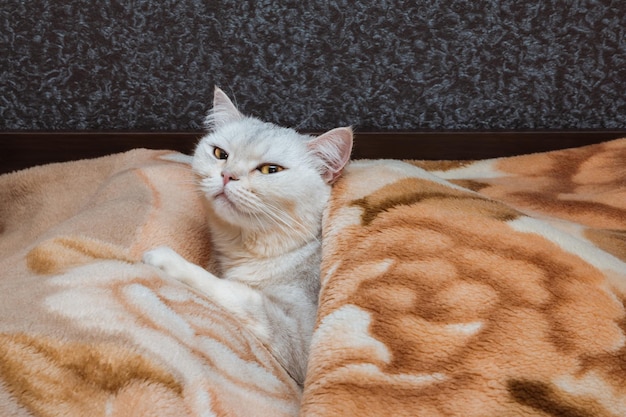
x,y
449,288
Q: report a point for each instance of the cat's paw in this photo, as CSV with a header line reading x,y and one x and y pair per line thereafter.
x,y
167,260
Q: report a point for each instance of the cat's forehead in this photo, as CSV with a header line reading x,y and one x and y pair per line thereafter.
x,y
257,139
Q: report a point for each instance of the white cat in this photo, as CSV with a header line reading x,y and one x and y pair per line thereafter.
x,y
267,187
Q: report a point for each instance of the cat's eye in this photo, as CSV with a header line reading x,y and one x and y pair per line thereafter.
x,y
270,168
220,153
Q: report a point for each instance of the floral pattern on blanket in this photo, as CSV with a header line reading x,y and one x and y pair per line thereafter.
x,y
449,288
488,288
86,329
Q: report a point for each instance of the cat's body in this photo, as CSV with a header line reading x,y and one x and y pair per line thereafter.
x,y
266,188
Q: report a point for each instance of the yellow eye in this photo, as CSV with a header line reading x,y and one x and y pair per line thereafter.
x,y
270,169
220,153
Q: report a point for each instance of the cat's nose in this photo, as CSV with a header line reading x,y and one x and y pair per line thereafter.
x,y
227,177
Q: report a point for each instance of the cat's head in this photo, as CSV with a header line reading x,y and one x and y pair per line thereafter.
x,y
260,176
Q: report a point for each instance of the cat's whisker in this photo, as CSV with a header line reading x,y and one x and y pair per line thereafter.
x,y
279,214
283,224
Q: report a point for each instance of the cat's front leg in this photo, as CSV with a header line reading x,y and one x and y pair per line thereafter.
x,y
237,297
174,265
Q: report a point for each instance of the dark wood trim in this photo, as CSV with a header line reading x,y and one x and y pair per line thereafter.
x,y
24,149
473,145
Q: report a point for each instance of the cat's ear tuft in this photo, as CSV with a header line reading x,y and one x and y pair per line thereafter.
x,y
333,148
223,112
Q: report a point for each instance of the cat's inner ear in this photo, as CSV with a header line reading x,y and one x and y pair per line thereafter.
x,y
223,112
333,148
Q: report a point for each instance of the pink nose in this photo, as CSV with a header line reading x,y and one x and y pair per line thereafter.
x,y
227,176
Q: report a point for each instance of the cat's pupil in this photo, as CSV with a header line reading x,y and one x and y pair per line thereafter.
x,y
220,153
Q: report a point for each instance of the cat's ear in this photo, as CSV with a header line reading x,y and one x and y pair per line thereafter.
x,y
223,112
333,148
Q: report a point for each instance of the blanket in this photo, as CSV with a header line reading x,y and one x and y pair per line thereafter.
x,y
449,288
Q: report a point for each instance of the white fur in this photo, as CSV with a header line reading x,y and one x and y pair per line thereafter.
x,y
265,227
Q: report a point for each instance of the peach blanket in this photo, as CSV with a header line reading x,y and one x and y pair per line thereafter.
x,y
449,288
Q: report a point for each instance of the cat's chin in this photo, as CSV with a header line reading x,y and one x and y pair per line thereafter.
x,y
228,211
223,204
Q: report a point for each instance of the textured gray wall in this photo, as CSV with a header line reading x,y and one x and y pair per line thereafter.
x,y
378,65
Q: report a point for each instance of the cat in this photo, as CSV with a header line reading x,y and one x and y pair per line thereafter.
x,y
266,187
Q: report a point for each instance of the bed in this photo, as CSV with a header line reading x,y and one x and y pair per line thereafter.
x,y
478,274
